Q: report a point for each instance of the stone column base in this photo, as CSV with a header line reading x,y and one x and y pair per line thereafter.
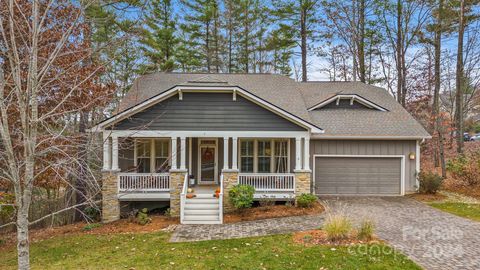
x,y
177,177
230,179
303,181
110,203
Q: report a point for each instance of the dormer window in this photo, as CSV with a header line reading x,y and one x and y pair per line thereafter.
x,y
347,102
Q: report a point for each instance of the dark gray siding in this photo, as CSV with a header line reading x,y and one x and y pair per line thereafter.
x,y
207,111
365,147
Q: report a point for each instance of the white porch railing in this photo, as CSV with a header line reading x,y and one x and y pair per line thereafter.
x,y
183,198
143,182
220,199
268,181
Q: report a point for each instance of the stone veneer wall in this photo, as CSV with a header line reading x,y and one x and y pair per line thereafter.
x,y
230,179
110,203
177,177
302,182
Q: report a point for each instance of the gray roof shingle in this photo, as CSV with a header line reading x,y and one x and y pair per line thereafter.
x,y
296,98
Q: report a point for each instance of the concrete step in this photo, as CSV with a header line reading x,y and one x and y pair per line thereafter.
x,y
201,218
201,201
201,212
192,206
204,195
202,222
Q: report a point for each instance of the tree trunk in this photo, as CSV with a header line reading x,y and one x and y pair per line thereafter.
x,y
80,191
400,97
354,42
303,34
22,239
459,79
361,43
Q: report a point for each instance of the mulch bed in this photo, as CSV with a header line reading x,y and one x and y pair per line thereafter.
x,y
274,211
319,237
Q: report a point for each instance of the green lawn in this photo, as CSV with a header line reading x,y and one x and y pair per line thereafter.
x,y
466,210
152,251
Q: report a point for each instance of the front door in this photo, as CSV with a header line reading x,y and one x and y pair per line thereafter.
x,y
207,161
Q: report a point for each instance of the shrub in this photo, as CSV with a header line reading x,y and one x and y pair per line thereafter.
x,y
142,217
241,196
429,182
168,212
306,200
92,212
91,226
337,227
366,230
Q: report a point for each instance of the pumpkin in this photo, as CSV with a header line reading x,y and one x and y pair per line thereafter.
x,y
217,190
190,190
191,196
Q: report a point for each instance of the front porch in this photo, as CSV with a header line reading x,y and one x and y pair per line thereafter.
x,y
148,166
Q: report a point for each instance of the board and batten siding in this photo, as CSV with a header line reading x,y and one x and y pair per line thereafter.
x,y
370,147
207,112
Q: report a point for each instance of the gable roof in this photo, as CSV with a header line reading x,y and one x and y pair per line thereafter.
x,y
295,98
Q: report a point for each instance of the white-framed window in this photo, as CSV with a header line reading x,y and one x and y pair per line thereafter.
x,y
143,157
264,155
152,155
246,155
162,150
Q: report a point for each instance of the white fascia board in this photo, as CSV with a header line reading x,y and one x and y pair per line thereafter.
x,y
353,137
208,134
154,100
352,97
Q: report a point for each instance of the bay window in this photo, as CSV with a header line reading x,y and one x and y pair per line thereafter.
x,y
264,155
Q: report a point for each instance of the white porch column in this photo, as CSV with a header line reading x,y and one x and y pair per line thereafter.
x,y
298,153
225,153
107,151
306,154
115,153
234,153
182,153
174,153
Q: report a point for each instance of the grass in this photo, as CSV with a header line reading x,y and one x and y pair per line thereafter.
x,y
466,210
153,251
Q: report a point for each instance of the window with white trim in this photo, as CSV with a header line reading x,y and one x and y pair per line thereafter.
x,y
264,155
280,157
162,149
143,148
246,155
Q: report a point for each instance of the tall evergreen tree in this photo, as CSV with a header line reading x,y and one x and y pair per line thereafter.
x,y
298,17
158,39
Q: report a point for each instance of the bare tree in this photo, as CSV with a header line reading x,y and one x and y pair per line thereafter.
x,y
47,75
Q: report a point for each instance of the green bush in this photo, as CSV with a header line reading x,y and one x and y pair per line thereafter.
x,y
92,212
91,226
306,200
337,227
366,230
430,182
142,217
241,196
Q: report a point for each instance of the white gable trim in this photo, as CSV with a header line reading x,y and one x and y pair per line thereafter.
x,y
352,98
212,89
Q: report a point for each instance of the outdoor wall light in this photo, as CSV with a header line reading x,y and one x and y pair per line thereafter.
x,y
411,156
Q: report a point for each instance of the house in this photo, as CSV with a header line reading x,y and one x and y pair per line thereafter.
x,y
175,131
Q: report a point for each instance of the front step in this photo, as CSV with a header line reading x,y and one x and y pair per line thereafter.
x,y
202,209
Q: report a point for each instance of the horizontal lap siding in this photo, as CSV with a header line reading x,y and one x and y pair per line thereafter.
x,y
366,147
207,111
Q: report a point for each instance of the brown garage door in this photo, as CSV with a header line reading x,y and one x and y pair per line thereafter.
x,y
357,176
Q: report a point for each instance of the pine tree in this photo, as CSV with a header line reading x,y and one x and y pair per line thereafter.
x,y
158,40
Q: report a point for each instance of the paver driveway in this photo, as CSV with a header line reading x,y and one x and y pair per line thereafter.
x,y
432,238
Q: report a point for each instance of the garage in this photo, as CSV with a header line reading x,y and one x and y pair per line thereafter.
x,y
358,175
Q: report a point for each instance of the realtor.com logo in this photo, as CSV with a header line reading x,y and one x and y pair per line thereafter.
x,y
435,241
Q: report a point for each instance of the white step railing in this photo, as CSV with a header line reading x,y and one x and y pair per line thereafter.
x,y
268,181
143,182
183,198
220,200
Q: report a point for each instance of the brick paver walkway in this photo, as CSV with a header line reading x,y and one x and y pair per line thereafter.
x,y
185,233
432,238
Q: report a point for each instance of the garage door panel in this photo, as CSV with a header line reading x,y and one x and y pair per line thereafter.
x,y
357,175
